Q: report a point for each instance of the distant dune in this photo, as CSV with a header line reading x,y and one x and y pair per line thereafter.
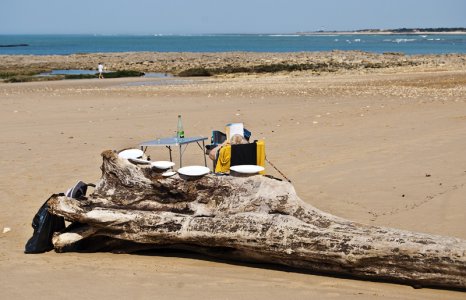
x,y
439,30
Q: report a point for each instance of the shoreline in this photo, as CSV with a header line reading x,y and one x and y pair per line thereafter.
x,y
233,63
375,31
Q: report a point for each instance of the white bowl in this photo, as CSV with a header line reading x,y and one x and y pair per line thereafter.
x,y
194,170
131,153
162,164
139,161
168,173
247,169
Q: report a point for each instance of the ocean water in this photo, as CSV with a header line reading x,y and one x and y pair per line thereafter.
x,y
70,44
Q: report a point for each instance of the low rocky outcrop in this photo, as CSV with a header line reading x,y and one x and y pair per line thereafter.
x,y
231,62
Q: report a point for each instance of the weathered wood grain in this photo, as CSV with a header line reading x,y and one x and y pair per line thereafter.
x,y
251,218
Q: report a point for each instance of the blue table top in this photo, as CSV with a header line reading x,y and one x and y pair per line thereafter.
x,y
170,141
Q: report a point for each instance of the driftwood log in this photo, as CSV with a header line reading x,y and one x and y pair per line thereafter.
x,y
252,218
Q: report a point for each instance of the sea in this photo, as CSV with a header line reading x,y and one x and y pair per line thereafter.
x,y
73,44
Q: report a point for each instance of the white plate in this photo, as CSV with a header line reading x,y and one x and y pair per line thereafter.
x,y
139,161
131,153
194,170
247,169
162,164
168,173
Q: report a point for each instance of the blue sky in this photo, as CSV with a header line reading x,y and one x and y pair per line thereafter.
x,y
216,16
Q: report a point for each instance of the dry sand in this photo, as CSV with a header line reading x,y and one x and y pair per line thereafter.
x,y
385,149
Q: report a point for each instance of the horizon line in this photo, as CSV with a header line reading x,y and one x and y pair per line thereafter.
x,y
367,30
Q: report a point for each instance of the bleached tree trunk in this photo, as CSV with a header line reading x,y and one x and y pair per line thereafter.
x,y
251,218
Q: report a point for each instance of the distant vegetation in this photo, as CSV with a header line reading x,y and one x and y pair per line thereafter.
x,y
20,75
116,74
330,66
274,68
26,78
405,30
417,30
33,76
123,73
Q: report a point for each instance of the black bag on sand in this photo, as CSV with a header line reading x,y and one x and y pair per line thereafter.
x,y
46,224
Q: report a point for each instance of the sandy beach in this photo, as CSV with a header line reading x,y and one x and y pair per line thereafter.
x,y
382,147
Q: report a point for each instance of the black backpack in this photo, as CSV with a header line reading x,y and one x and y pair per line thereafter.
x,y
46,224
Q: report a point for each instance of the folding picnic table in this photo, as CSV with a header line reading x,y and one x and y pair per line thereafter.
x,y
182,143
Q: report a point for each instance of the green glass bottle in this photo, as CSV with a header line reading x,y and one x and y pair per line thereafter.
x,y
180,131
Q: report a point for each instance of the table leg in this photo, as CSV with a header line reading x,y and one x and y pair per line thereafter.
x,y
170,152
181,157
203,152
